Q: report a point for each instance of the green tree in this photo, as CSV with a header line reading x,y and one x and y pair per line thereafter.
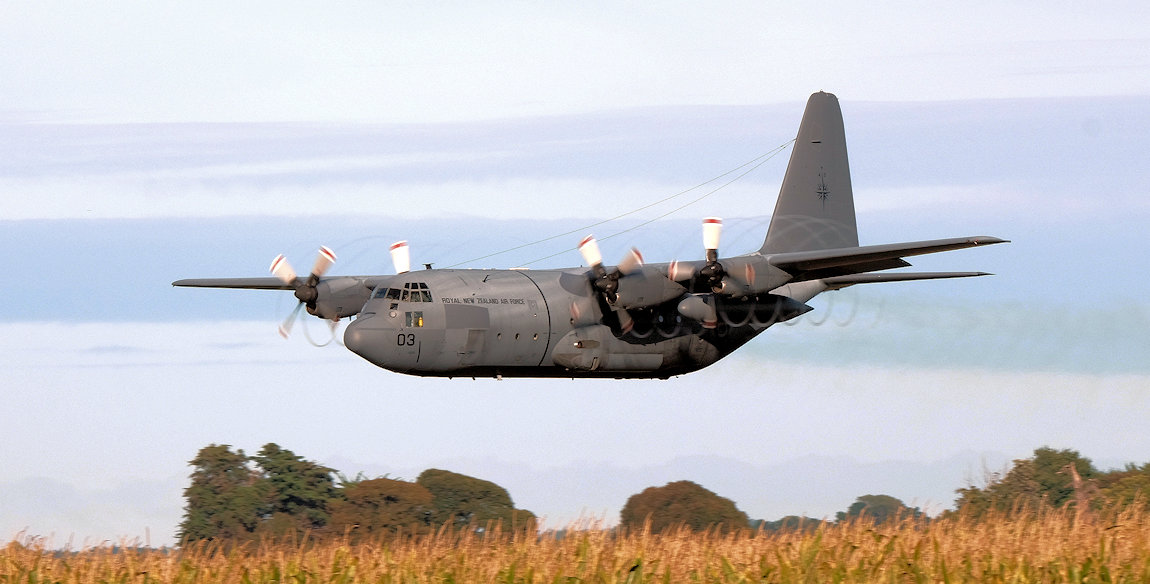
x,y
299,490
789,523
226,499
681,503
463,500
1043,479
1123,487
880,508
375,507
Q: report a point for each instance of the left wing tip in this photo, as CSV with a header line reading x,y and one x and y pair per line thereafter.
x,y
987,240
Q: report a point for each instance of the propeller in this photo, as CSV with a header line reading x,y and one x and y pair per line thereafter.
x,y
305,290
606,282
713,272
701,307
401,257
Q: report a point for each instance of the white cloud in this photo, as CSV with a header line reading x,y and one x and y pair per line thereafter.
x,y
213,61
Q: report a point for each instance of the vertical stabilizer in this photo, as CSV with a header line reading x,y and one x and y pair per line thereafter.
x,y
816,207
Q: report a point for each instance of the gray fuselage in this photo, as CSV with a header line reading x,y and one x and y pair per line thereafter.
x,y
521,323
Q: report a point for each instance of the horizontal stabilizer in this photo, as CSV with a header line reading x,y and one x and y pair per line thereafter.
x,y
840,282
829,263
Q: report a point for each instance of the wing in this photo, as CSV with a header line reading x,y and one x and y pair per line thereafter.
x,y
270,283
244,283
839,282
831,263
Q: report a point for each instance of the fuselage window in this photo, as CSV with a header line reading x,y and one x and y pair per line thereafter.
x,y
414,319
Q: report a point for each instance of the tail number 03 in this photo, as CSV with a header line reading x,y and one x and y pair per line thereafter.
x,y
405,339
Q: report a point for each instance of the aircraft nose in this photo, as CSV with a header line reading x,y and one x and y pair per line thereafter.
x,y
358,338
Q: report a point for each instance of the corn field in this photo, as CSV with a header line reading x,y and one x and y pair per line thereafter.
x,y
1024,546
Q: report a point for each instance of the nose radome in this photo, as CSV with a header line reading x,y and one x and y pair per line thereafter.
x,y
356,337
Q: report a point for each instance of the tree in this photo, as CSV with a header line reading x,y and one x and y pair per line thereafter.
x,y
1123,487
879,508
1047,478
462,500
299,490
226,499
681,503
379,506
789,523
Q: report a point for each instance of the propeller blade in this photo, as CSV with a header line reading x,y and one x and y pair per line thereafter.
x,y
285,328
678,271
401,257
590,250
631,262
625,321
282,269
582,313
323,261
712,231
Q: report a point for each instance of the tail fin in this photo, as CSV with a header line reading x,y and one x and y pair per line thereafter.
x,y
816,207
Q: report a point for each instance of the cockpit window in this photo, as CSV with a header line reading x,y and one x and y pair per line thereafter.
x,y
388,293
415,292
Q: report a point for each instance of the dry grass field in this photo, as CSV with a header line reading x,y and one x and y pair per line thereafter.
x,y
1043,546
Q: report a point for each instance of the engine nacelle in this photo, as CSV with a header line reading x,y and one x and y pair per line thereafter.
x,y
646,287
338,298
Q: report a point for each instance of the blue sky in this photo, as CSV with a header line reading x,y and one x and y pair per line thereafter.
x,y
158,141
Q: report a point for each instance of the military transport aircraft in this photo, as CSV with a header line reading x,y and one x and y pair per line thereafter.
x,y
631,320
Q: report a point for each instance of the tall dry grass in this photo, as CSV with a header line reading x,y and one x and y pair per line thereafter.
x,y
1025,546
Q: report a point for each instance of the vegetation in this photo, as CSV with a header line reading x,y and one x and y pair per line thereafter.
x,y
235,498
1055,479
880,508
377,506
226,499
681,504
276,517
1025,545
461,500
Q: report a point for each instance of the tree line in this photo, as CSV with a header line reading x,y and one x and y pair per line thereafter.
x,y
236,497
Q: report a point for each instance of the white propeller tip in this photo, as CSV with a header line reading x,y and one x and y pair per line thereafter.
x,y
323,260
712,231
401,257
326,252
282,269
632,262
590,250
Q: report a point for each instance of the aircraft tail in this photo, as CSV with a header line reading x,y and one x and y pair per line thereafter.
x,y
815,210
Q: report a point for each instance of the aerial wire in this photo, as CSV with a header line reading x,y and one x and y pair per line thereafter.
x,y
754,163
761,160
